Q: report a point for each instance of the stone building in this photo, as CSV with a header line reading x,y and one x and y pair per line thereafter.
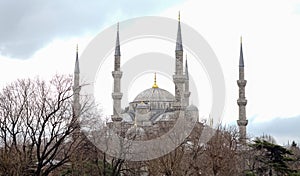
x,y
156,107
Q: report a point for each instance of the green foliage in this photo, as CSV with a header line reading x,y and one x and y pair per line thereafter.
x,y
295,174
271,158
249,173
294,144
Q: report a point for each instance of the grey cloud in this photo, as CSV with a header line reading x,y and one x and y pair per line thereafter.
x,y
282,129
27,26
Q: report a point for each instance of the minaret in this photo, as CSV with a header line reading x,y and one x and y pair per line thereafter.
x,y
187,92
242,122
76,92
179,78
117,75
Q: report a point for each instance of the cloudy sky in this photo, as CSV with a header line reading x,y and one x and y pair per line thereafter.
x,y
40,37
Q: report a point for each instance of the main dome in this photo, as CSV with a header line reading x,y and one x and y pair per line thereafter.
x,y
154,95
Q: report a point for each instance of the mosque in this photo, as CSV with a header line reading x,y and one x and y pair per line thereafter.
x,y
155,107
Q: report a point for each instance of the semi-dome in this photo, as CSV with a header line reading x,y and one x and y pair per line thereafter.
x,y
192,108
154,95
136,133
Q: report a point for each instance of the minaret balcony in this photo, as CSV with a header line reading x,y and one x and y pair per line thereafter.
x,y
179,79
76,89
242,102
116,118
242,122
117,74
179,53
187,94
241,83
117,95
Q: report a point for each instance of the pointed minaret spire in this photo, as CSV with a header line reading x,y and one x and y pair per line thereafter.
x,y
76,70
186,68
117,50
242,101
117,75
76,97
179,77
187,92
241,54
179,39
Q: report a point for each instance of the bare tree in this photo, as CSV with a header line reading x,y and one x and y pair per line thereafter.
x,y
295,163
219,156
92,157
221,153
36,126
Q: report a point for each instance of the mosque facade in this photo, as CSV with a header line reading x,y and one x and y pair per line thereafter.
x,y
155,107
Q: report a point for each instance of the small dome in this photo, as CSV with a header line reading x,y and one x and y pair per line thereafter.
x,y
192,108
167,116
154,95
136,133
126,117
142,105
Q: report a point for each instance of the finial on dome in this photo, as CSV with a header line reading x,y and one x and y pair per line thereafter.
x,y
155,85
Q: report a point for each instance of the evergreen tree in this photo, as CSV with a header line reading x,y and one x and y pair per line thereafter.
x,y
271,158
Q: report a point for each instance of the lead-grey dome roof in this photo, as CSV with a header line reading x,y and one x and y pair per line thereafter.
x,y
192,108
154,94
136,133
